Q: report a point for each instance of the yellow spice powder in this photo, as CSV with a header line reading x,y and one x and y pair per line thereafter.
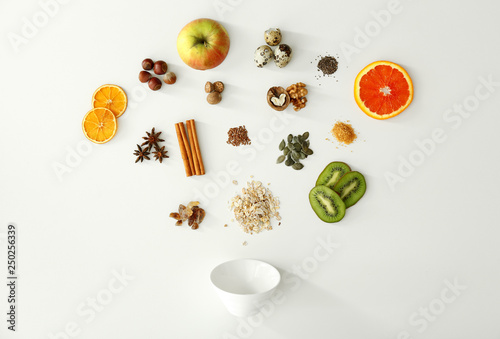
x,y
344,132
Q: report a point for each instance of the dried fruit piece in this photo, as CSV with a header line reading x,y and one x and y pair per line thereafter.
x,y
192,213
99,125
176,216
112,97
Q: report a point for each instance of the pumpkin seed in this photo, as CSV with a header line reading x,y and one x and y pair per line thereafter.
x,y
294,148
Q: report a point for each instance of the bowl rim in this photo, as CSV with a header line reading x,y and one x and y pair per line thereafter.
x,y
246,294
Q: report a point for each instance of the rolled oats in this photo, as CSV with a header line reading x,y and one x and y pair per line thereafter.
x,y
255,208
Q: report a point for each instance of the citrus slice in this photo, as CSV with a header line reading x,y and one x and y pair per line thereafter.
x,y
99,125
111,97
383,89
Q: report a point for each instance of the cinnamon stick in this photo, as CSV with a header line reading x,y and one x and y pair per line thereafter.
x,y
182,147
197,146
196,162
186,146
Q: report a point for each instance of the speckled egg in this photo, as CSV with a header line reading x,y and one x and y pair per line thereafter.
x,y
282,55
272,36
263,55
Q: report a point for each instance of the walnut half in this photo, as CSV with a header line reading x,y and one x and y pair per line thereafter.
x,y
276,92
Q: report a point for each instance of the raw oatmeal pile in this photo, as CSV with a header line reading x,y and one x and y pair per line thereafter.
x,y
255,208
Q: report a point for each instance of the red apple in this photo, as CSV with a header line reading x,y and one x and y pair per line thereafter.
x,y
203,44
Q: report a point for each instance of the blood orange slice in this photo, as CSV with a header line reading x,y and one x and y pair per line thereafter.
x,y
383,89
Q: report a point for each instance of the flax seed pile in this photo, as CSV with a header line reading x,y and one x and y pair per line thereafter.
x,y
237,136
344,133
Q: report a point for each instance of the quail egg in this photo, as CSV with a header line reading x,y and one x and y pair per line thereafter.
x,y
263,55
272,36
282,55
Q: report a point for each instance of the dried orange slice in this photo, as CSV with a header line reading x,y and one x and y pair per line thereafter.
x,y
99,125
383,89
111,97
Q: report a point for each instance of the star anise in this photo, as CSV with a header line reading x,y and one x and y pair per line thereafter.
x,y
160,153
141,154
152,139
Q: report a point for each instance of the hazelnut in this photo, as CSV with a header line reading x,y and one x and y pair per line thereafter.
x,y
218,86
147,64
214,98
154,83
170,78
209,87
160,67
144,76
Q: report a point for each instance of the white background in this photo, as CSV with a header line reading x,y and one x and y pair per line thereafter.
x,y
396,249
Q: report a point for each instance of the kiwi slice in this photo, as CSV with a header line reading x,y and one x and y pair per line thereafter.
x,y
332,174
351,187
326,204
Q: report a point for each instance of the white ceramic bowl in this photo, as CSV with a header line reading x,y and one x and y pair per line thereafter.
x,y
244,285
